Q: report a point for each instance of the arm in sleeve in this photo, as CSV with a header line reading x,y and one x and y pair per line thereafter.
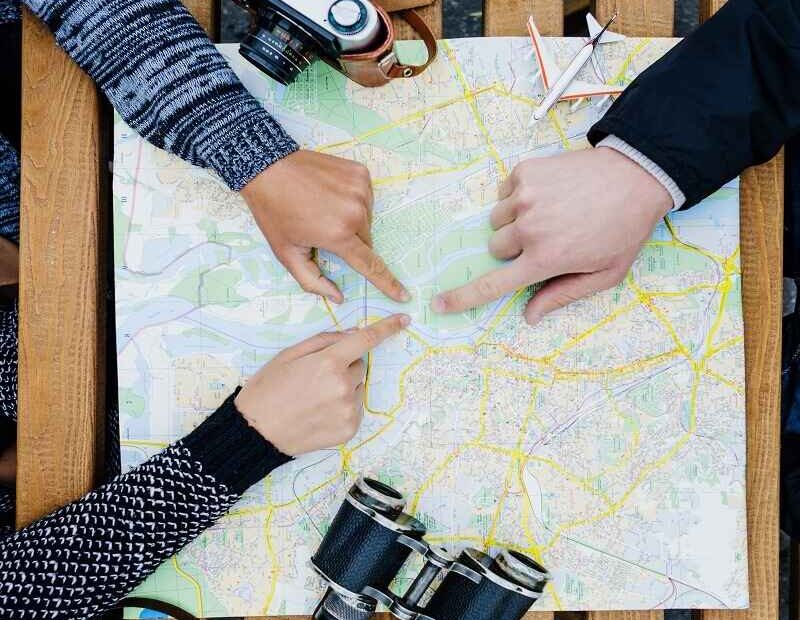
x,y
725,98
80,560
169,82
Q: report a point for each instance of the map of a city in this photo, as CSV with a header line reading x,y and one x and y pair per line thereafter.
x,y
608,441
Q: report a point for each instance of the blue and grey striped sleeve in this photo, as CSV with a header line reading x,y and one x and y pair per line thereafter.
x,y
168,81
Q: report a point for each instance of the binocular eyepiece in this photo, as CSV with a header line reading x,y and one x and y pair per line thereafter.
x,y
370,540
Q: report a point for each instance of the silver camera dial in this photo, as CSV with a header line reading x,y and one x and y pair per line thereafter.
x,y
348,16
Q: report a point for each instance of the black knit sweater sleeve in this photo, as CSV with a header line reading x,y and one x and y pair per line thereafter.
x,y
83,558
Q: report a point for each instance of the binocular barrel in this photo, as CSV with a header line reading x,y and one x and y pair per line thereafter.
x,y
370,540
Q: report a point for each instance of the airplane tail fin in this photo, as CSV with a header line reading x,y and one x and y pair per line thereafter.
x,y
595,28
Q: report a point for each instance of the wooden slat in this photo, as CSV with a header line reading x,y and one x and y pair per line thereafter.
x,y
61,317
638,18
206,12
432,15
62,327
507,18
762,255
762,293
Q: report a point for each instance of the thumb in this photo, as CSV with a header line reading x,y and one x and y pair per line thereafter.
x,y
301,264
563,290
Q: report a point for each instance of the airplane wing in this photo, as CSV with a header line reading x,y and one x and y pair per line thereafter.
x,y
549,71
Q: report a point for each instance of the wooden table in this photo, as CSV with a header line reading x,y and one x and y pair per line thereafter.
x,y
63,326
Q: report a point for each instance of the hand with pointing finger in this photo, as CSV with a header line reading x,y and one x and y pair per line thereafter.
x,y
310,200
577,220
310,395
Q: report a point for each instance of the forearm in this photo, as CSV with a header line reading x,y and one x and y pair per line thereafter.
x,y
724,99
167,80
80,560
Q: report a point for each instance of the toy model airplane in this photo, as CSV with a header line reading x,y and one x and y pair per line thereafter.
x,y
550,72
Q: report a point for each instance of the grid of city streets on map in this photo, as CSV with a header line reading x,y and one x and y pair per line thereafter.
x,y
608,442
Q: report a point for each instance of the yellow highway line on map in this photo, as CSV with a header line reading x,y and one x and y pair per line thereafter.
x,y
469,95
195,585
624,369
404,178
627,62
144,442
524,457
645,300
646,471
500,316
739,389
403,120
555,121
513,465
273,562
726,285
727,344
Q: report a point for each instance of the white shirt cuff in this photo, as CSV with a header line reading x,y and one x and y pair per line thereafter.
x,y
678,197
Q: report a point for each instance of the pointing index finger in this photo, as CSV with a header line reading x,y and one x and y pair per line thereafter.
x,y
486,288
358,344
363,259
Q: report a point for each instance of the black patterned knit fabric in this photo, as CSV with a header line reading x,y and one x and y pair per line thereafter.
x,y
79,561
8,362
9,190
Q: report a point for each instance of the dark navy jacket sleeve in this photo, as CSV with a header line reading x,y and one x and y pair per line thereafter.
x,y
725,98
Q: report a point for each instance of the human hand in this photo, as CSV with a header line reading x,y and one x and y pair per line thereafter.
x,y
310,200
577,220
310,395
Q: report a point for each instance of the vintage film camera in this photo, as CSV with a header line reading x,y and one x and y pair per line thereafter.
x,y
371,538
354,36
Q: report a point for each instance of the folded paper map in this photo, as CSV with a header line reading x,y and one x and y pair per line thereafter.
x,y
608,442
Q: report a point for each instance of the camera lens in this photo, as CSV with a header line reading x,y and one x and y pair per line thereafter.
x,y
279,47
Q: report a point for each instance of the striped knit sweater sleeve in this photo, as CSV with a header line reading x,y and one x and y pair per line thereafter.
x,y
79,561
168,81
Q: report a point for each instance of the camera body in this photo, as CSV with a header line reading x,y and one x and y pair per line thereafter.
x,y
287,35
371,538
355,37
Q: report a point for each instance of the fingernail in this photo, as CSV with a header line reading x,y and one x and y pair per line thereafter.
x,y
438,304
405,296
533,319
405,320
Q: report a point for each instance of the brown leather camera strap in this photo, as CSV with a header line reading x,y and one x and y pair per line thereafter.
x,y
378,66
421,28
154,605
392,6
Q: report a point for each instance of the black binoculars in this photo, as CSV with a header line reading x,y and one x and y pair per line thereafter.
x,y
370,540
